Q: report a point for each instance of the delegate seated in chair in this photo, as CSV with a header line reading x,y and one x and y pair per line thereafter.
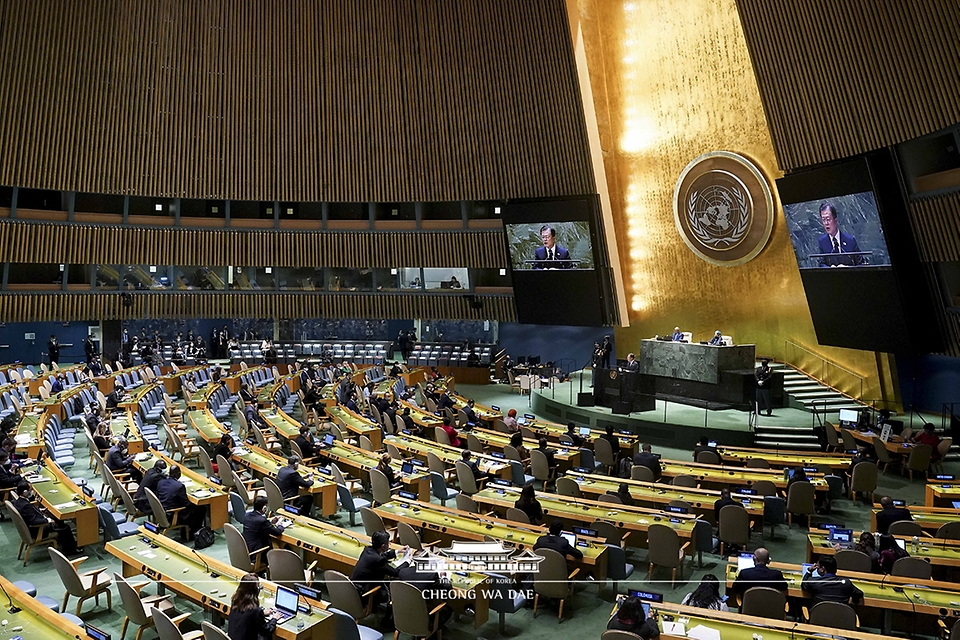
x,y
36,518
553,540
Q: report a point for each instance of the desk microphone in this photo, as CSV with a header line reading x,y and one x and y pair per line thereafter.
x,y
13,608
206,567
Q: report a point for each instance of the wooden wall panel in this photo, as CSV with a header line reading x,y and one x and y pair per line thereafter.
x,y
27,307
292,100
842,77
936,225
74,243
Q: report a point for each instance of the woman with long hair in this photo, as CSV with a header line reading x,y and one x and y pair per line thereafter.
x,y
529,504
516,441
706,595
247,620
631,617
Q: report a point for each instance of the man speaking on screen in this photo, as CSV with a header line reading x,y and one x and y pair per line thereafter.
x,y
835,242
551,255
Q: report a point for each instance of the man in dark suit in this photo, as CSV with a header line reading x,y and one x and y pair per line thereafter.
x,y
549,453
173,495
290,481
717,339
114,397
834,241
151,479
725,500
632,365
822,581
889,514
305,441
118,461
764,377
759,576
468,460
558,543
257,529
373,566
648,460
471,413
677,335
35,518
53,349
551,255
444,401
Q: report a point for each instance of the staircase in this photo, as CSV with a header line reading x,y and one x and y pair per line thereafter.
x,y
807,394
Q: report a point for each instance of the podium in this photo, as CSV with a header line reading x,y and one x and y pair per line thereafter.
x,y
624,392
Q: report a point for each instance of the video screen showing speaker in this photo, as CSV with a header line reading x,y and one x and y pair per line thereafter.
x,y
855,249
841,230
556,269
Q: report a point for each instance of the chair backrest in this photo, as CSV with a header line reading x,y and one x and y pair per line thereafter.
x,y
336,431
734,525
664,546
111,531
474,444
274,495
611,533
613,634
366,444
849,443
225,472
240,487
465,478
757,463
435,464
852,560
285,566
25,536
408,537
517,476
764,488
833,438
510,453
380,487
800,498
616,562
912,568
603,452
834,614
441,436
159,514
239,508
685,481
708,457
206,462
166,628
517,515
409,609
864,477
500,425
539,465
67,572
905,528
919,459
551,579
466,503
642,473
346,627
372,522
394,452
237,548
211,632
944,446
883,455
764,602
568,487
132,605
343,594
949,531
611,498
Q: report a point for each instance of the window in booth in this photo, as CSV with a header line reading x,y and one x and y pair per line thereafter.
x,y
6,197
98,203
251,278
386,279
490,278
147,206
45,276
200,278
484,209
251,209
348,211
395,211
300,279
42,199
411,279
107,277
145,277
350,280
446,279
190,208
442,210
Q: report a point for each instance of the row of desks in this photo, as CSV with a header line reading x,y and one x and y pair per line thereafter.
x,y
35,620
936,551
201,491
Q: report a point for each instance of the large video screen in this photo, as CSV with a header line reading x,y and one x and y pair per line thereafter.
x,y
551,245
558,274
837,231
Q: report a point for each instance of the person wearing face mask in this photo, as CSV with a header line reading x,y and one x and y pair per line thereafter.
x,y
822,582
35,518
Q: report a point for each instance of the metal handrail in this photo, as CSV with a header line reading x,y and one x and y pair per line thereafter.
x,y
823,364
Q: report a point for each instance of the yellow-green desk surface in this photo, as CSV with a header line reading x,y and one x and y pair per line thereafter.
x,y
182,570
200,490
783,459
265,463
629,442
587,511
451,524
929,518
357,424
207,426
941,493
483,412
719,476
64,500
936,551
35,620
566,456
420,447
421,416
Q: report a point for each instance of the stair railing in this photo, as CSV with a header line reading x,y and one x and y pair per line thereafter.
x,y
822,370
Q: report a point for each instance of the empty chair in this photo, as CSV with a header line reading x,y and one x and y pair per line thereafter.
x,y
518,477
350,504
905,528
238,508
800,500
617,567
167,628
836,615
568,487
642,473
685,481
504,597
610,498
541,468
851,560
665,550
553,580
949,531
943,448
610,533
411,614
847,439
764,488
708,457
774,513
734,526
864,480
833,438
439,488
211,632
517,515
912,568
84,586
135,607
884,459
345,596
286,567
764,602
474,444
466,503
757,463
372,522
346,628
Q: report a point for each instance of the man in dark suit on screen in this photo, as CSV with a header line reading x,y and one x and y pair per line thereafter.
x,y
551,255
834,241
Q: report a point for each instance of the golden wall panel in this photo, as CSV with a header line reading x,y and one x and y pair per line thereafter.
x,y
936,223
842,77
100,244
671,82
64,307
292,100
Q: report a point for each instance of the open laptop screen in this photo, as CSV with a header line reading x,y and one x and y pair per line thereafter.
x,y
287,600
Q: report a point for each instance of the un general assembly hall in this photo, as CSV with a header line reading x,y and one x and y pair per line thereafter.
x,y
478,319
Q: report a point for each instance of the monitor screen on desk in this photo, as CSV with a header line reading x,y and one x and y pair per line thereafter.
x,y
850,416
569,537
287,600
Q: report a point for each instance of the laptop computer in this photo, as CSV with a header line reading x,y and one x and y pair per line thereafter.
x,y
956,504
646,598
842,537
327,441
285,604
406,468
745,561
585,431
569,537
96,634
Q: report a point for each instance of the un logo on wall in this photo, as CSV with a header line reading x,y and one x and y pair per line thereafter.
x,y
723,208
